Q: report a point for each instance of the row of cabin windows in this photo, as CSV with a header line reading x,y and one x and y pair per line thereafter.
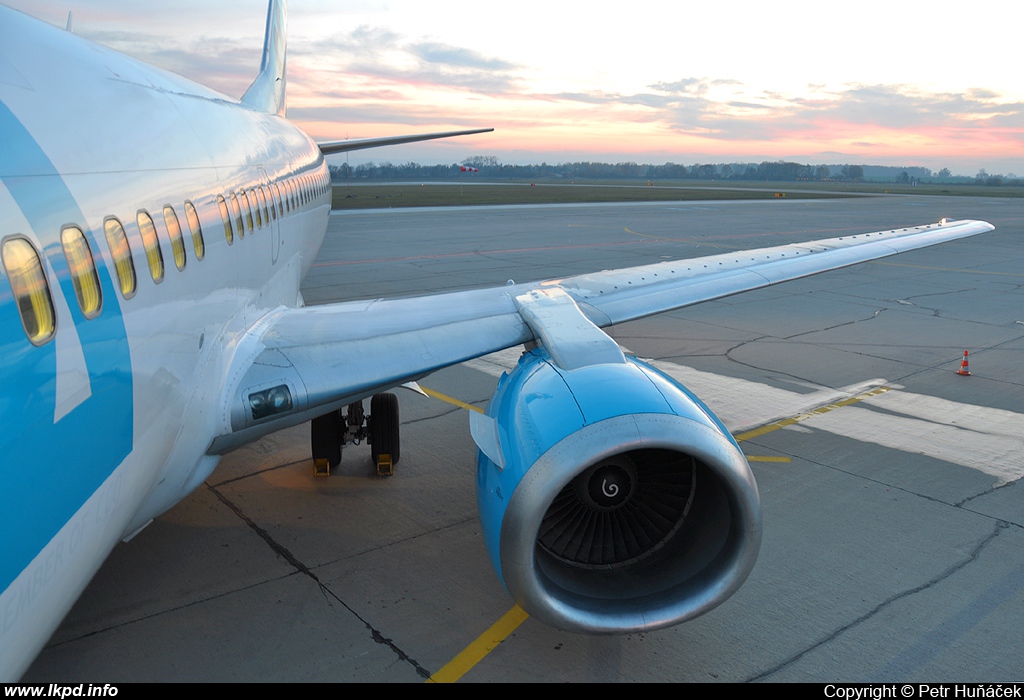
x,y
263,203
32,291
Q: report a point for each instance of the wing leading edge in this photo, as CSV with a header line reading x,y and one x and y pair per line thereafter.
x,y
328,356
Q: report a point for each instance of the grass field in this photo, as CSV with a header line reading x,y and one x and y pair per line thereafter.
x,y
547,192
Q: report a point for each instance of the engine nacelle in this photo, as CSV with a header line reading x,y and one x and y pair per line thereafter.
x,y
612,500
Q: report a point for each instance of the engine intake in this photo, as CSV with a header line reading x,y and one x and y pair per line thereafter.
x,y
620,510
611,499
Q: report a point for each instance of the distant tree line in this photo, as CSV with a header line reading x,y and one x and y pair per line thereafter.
x,y
491,168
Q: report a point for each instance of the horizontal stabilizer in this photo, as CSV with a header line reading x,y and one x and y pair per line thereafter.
x,y
329,147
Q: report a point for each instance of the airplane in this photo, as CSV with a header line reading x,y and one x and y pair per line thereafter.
x,y
153,236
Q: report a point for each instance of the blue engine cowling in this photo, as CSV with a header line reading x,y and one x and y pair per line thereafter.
x,y
612,500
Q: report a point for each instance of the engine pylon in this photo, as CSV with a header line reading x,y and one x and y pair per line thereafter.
x,y
964,370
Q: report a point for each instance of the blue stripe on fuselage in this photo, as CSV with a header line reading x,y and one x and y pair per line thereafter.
x,y
48,470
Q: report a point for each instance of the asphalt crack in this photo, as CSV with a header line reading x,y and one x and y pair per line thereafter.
x,y
985,493
855,321
284,553
1000,525
276,467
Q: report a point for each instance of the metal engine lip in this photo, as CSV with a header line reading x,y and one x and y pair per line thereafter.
x,y
562,463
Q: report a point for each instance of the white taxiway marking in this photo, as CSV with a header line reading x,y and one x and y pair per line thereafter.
x,y
986,439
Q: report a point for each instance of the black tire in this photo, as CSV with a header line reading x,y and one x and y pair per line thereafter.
x,y
325,437
384,427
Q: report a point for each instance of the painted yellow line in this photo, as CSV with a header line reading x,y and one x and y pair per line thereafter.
x,y
772,427
484,645
451,399
496,633
647,235
507,624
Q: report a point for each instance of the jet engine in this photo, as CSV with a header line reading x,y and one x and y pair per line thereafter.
x,y
612,500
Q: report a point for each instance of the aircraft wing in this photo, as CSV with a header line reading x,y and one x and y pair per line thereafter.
x,y
334,354
329,147
628,294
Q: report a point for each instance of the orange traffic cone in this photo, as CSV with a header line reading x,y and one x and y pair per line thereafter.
x,y
964,371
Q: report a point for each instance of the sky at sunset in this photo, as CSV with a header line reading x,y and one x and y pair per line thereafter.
x,y
904,83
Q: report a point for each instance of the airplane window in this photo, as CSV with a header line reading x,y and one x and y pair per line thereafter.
x,y
261,204
197,230
177,242
266,196
83,270
290,199
238,216
152,245
280,199
262,192
247,205
122,255
272,201
255,201
226,215
25,273
262,196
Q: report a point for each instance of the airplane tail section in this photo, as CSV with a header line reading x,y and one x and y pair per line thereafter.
x,y
267,92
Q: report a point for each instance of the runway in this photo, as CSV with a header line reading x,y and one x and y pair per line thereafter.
x,y
893,511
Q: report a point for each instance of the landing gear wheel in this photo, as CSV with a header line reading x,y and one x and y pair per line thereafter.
x,y
384,445
325,435
355,416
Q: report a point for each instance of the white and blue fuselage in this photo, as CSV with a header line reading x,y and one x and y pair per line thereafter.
x,y
86,456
